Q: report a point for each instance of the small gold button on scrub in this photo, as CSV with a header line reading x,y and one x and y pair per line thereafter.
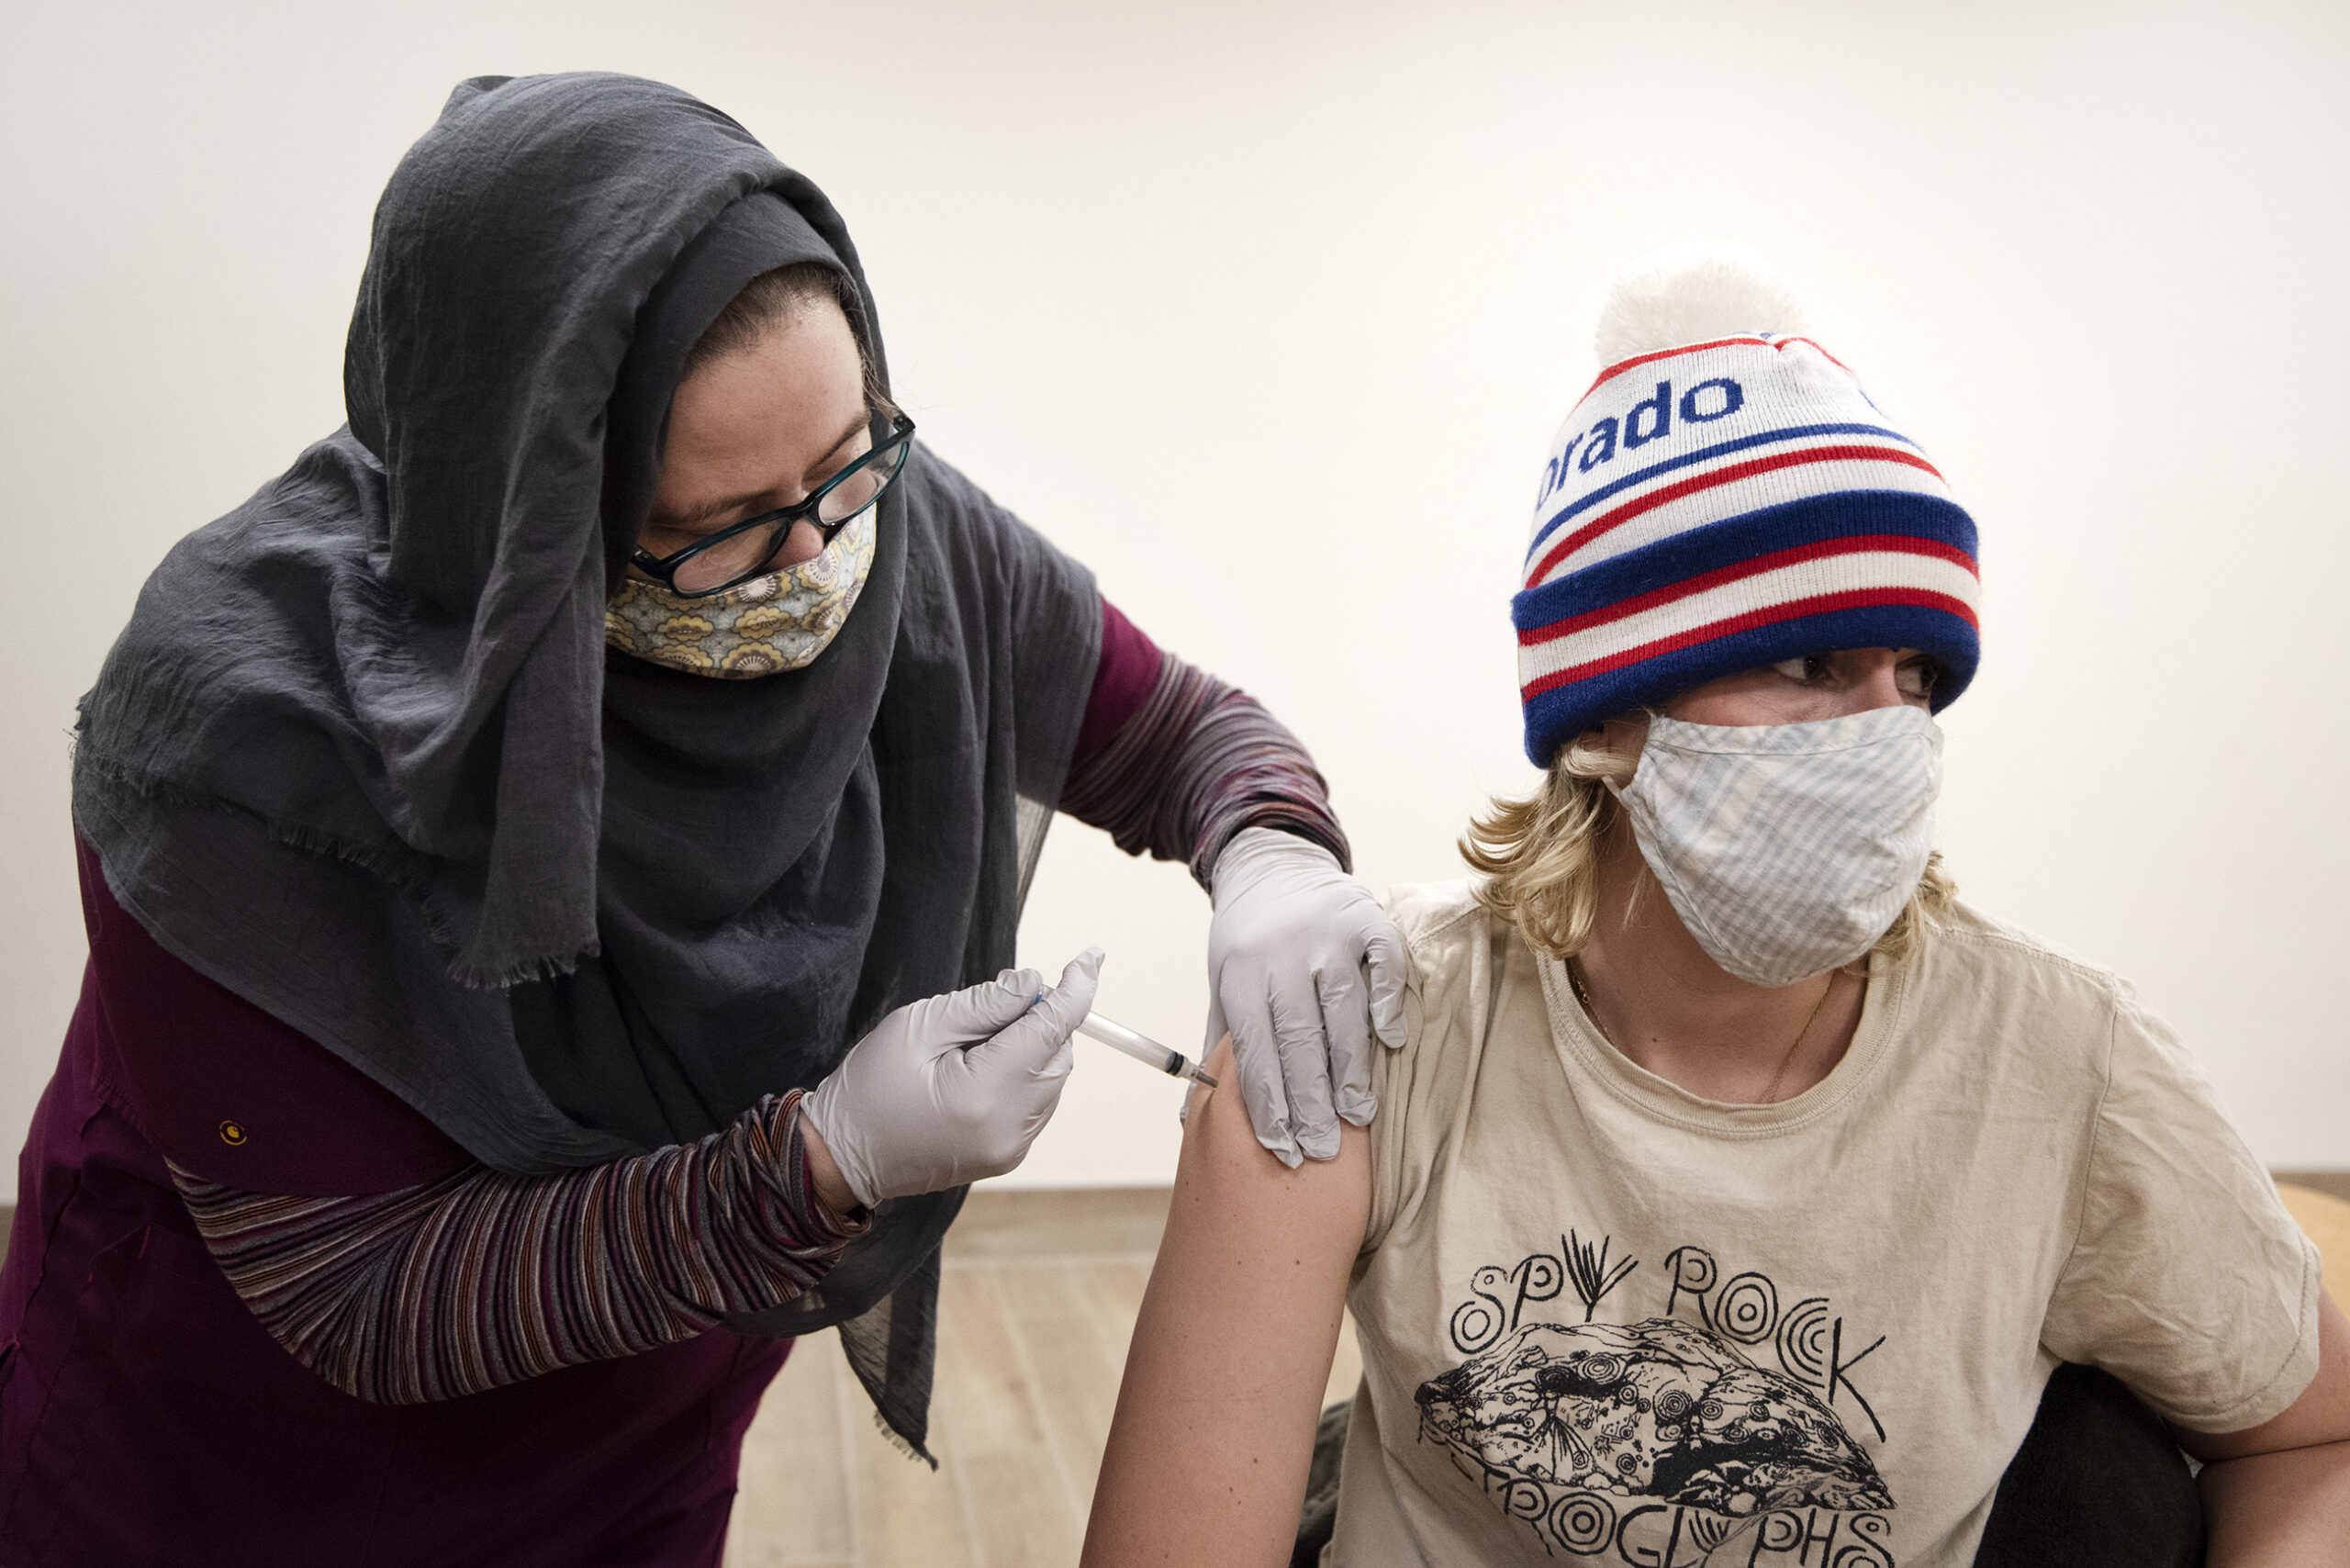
x,y
232,1132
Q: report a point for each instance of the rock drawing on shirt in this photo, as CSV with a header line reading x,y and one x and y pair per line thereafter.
x,y
1660,1438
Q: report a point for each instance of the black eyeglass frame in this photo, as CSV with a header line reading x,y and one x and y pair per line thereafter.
x,y
664,568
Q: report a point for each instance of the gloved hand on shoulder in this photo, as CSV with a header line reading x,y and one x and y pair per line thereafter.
x,y
1304,967
952,1088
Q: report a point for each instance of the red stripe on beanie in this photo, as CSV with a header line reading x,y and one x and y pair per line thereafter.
x,y
1782,343
1853,544
1621,366
1819,604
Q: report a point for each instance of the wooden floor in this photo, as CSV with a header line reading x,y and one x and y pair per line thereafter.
x,y
2332,1184
2324,1216
1036,1300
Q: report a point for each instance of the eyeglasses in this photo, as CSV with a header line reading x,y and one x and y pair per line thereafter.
x,y
736,554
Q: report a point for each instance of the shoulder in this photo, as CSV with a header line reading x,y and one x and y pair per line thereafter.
x,y
948,513
963,545
1437,920
1458,954
955,534
2044,1010
1451,943
1971,948
1458,951
1997,941
933,478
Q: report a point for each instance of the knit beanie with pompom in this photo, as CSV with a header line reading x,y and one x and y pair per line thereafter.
x,y
1727,497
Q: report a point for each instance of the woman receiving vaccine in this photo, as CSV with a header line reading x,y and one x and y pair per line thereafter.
x,y
1738,1188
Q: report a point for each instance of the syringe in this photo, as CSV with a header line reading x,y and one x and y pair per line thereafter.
x,y
1143,1048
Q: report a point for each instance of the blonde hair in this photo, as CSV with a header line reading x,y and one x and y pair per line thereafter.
x,y
1540,857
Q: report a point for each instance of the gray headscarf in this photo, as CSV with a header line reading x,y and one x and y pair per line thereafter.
x,y
362,755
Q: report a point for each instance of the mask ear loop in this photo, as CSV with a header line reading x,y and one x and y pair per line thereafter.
x,y
1615,788
1649,874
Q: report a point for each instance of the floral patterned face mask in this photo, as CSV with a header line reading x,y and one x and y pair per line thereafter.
x,y
776,623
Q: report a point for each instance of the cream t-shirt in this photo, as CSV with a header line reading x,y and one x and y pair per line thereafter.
x,y
1603,1320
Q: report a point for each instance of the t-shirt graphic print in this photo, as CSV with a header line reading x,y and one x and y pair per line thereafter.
x,y
1603,1321
1663,1439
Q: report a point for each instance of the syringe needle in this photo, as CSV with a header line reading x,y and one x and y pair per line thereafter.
x,y
1143,1048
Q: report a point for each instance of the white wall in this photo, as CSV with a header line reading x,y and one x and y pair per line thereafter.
x,y
1266,312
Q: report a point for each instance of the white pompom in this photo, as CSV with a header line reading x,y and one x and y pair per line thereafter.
x,y
1688,293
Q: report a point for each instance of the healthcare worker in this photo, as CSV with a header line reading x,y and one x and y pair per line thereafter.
x,y
552,859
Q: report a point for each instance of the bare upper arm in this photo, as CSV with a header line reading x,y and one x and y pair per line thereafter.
x,y
2321,1414
1207,1456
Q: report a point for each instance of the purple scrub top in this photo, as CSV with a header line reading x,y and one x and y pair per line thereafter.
x,y
147,1418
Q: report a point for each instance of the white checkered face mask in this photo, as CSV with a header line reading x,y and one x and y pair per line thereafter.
x,y
1788,849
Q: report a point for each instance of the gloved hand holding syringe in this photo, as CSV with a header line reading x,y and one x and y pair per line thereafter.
x,y
953,1088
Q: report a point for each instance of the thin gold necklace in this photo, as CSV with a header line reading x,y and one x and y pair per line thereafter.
x,y
1769,1093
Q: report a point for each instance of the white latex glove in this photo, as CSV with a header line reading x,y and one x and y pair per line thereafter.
x,y
953,1087
1287,952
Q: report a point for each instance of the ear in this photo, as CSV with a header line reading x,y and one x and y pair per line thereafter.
x,y
1620,739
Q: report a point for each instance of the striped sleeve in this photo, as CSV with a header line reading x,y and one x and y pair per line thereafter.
x,y
481,1279
1194,764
